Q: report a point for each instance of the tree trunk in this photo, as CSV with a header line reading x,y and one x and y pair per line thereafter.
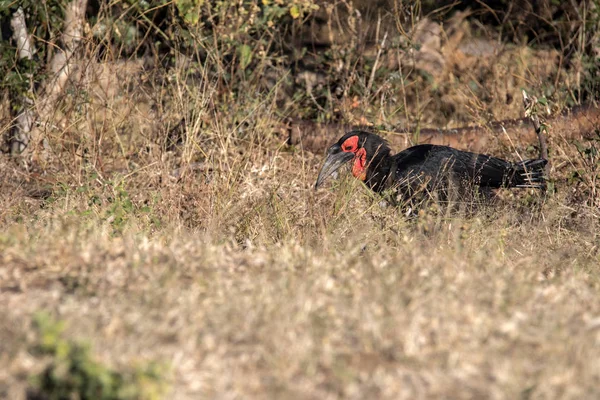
x,y
25,120
32,122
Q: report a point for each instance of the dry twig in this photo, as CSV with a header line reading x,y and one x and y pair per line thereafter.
x,y
532,111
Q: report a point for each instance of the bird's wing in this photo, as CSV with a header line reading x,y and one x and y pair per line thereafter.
x,y
409,164
436,161
413,156
483,169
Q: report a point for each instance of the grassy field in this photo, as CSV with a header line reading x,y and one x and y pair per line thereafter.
x,y
218,264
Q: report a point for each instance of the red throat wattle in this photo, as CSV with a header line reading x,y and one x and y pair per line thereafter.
x,y
358,164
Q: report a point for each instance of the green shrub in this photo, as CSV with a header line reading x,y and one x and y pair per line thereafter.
x,y
74,374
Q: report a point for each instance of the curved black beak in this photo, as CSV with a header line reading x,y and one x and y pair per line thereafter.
x,y
334,161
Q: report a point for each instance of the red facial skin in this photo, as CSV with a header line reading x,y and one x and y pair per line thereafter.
x,y
359,169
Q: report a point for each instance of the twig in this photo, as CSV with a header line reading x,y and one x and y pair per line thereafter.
x,y
374,70
531,111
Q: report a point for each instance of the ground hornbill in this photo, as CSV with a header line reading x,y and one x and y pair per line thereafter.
x,y
427,171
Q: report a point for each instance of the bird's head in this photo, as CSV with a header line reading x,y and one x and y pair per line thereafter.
x,y
358,147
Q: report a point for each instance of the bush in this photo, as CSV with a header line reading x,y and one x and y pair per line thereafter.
x,y
74,374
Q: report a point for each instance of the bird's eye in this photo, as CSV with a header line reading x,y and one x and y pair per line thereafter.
x,y
350,144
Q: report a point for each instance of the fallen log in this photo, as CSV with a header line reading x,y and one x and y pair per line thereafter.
x,y
577,123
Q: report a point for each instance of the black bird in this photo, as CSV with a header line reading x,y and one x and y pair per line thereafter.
x,y
427,169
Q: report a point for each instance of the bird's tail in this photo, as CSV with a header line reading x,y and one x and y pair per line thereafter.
x,y
529,174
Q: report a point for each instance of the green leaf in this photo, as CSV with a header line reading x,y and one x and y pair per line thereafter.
x,y
245,56
294,12
189,10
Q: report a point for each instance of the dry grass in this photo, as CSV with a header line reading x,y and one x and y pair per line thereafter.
x,y
219,261
497,307
260,287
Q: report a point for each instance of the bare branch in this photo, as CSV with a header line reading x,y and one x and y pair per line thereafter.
x,y
531,111
578,123
21,36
